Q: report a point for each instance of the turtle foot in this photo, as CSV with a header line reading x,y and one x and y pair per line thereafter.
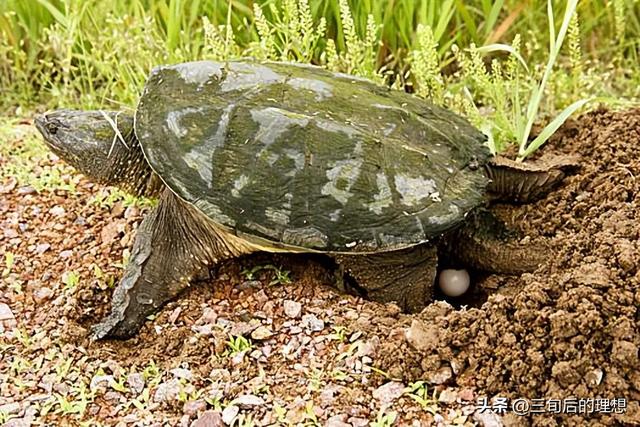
x,y
524,182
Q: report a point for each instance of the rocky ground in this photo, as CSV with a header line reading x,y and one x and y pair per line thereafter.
x,y
267,341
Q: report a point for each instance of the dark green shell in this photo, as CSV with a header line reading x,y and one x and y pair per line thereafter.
x,y
304,157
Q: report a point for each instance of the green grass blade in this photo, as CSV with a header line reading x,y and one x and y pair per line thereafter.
x,y
534,102
500,47
492,18
553,126
552,26
57,15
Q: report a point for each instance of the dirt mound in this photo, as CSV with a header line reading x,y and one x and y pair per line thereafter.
x,y
571,328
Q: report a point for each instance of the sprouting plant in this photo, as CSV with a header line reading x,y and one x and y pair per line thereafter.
x,y
214,402
237,345
62,369
315,377
151,374
310,415
418,391
70,279
22,336
244,420
119,385
281,413
9,259
339,333
384,419
142,401
281,277
339,375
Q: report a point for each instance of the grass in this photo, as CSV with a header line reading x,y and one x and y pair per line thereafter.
x,y
467,56
101,52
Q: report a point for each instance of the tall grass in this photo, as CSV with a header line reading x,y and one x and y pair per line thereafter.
x,y
92,52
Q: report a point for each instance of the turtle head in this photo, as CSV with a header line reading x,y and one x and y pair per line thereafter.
x,y
100,144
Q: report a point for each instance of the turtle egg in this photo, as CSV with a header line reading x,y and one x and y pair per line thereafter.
x,y
454,283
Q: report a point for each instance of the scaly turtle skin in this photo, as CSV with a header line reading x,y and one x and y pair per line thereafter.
x,y
278,157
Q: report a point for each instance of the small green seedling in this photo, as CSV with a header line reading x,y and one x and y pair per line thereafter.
x,y
339,333
281,277
237,345
418,391
9,260
70,279
384,419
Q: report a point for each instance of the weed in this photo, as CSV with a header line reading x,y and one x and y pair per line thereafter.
x,y
315,378
109,197
237,345
151,374
70,279
418,391
9,259
310,418
339,333
244,420
384,419
119,385
425,66
281,413
281,277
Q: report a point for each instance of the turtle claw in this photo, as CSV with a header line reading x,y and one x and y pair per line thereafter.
x,y
525,182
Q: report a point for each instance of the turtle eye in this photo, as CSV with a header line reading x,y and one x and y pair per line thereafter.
x,y
52,128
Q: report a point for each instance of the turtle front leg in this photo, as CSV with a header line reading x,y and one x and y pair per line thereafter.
x,y
174,244
405,277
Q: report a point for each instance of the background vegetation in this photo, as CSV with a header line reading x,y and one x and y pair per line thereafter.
x,y
97,54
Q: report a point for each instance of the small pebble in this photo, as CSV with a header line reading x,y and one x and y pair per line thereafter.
x,y
193,407
229,414
57,211
136,382
292,309
389,392
261,333
66,254
311,322
248,400
209,419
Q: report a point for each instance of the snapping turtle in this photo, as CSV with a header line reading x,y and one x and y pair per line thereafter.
x,y
278,157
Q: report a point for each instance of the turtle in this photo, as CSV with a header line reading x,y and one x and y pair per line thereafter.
x,y
247,156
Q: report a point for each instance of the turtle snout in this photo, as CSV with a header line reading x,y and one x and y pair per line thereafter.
x,y
40,122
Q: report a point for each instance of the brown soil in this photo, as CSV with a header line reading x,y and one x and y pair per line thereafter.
x,y
570,329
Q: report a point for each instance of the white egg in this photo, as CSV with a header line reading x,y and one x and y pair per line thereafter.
x,y
454,283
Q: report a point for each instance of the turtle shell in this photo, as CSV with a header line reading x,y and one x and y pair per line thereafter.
x,y
304,158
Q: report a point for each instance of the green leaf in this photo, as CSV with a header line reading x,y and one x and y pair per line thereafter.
x,y
57,15
553,126
501,47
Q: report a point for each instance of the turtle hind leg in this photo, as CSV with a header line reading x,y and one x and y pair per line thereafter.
x,y
405,277
485,243
173,245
